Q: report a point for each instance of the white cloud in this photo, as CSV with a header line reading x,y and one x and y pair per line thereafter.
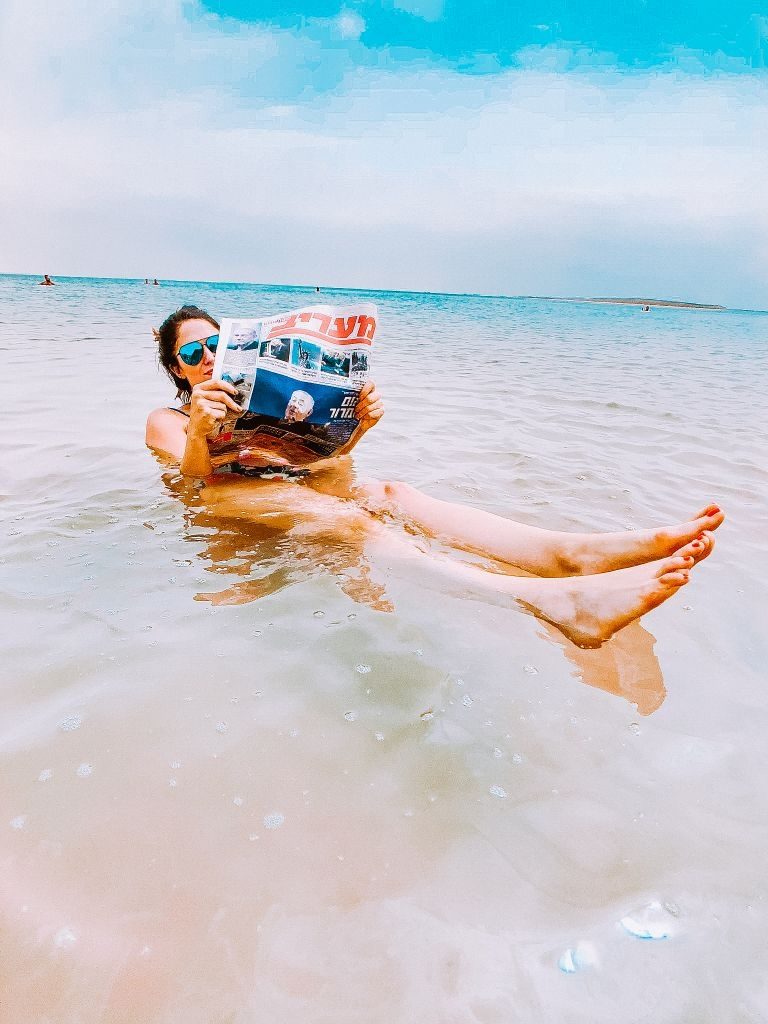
x,y
146,138
351,25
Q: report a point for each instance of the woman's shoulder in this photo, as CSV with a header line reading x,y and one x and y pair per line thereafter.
x,y
168,412
166,428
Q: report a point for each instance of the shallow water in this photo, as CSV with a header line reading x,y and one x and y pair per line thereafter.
x,y
305,808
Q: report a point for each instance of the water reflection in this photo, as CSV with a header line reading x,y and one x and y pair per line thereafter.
x,y
626,666
273,535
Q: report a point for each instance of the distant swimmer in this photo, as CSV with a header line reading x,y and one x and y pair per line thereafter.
x,y
646,309
46,280
146,280
317,288
155,281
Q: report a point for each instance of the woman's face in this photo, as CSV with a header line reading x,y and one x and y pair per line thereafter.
x,y
195,330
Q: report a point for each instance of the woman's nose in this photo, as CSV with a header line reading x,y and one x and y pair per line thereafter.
x,y
208,356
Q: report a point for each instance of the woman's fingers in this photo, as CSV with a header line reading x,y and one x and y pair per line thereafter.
x,y
215,385
217,396
373,411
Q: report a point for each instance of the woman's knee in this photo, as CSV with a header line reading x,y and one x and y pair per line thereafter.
x,y
396,491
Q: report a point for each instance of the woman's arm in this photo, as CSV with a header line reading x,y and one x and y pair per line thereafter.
x,y
188,442
369,410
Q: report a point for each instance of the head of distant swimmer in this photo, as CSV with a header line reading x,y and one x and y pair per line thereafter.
x,y
190,323
300,405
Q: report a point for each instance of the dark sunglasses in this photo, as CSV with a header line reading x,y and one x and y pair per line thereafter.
x,y
192,352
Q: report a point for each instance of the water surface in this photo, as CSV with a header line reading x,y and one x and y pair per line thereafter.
x,y
237,787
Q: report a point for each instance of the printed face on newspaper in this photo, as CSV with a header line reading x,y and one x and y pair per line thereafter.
x,y
298,376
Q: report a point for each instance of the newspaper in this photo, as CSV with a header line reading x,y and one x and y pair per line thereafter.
x,y
298,376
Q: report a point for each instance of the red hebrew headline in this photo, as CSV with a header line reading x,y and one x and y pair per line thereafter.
x,y
339,330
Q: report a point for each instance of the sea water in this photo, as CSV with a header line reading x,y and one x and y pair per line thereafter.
x,y
234,788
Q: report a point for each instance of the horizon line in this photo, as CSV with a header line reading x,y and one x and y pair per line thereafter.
x,y
673,303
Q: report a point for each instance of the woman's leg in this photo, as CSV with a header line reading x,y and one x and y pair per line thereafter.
x,y
588,610
543,552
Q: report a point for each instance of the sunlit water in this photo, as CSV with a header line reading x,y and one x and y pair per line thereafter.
x,y
302,808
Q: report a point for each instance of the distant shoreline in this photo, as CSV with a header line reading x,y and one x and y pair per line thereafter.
x,y
650,302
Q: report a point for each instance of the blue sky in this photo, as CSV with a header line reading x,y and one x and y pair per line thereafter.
x,y
480,36
562,148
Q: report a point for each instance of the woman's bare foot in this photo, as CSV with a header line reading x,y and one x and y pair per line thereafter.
x,y
589,610
589,553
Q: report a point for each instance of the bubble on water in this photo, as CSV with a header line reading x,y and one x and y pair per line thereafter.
x,y
419,652
84,770
45,774
498,752
221,727
530,669
18,822
427,716
581,956
649,922
498,791
64,938
274,820
352,615
379,736
687,608
351,716
293,733
256,632
362,669
517,759
70,723
634,728
318,614
238,801
175,765
172,783
467,701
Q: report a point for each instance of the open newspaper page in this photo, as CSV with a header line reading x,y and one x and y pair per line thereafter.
x,y
298,376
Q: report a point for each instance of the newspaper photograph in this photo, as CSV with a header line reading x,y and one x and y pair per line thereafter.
x,y
298,376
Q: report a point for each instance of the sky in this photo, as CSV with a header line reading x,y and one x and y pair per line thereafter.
x,y
486,146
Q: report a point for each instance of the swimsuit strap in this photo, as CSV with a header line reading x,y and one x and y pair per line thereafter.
x,y
173,408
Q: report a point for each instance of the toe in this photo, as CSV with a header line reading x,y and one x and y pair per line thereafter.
x,y
713,514
674,579
696,549
675,563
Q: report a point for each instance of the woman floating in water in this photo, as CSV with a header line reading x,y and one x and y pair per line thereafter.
x,y
588,585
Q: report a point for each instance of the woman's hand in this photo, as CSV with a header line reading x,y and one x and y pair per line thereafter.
x,y
369,408
209,404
